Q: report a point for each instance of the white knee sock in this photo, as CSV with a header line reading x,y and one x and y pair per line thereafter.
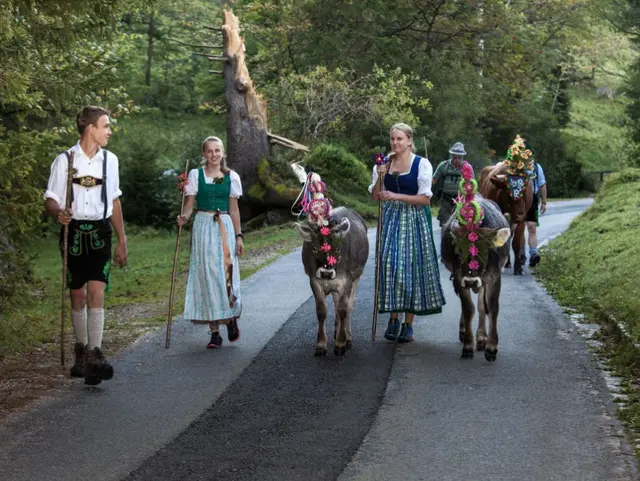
x,y
79,323
95,326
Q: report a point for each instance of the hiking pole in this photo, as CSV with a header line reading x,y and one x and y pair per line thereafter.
x,y
379,161
65,252
175,262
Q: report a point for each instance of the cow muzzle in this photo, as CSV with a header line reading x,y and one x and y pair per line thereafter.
x,y
473,283
326,274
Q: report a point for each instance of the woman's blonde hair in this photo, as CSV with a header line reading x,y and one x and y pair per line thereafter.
x,y
223,162
405,129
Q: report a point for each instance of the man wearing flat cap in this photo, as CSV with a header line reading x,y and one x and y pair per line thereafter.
x,y
446,181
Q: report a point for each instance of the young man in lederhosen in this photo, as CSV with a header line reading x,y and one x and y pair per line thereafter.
x,y
95,212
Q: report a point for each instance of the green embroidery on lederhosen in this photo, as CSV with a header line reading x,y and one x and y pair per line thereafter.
x,y
107,274
96,242
76,249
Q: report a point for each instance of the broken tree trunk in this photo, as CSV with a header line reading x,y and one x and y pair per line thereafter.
x,y
247,141
248,138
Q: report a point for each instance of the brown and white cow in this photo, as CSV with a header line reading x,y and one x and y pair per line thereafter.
x,y
341,279
494,185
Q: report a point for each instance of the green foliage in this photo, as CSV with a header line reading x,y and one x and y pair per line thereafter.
x,y
323,104
596,134
591,266
153,149
564,174
163,69
347,177
56,58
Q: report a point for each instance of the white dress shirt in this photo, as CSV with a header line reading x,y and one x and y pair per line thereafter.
x,y
87,202
192,186
425,176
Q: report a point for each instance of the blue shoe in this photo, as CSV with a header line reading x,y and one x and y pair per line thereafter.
x,y
406,333
392,330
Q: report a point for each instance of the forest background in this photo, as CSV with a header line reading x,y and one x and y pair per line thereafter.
x,y
336,74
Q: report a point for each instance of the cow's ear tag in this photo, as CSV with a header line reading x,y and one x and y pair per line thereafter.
x,y
501,237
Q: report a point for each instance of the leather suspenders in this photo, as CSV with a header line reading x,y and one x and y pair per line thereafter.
x,y
103,190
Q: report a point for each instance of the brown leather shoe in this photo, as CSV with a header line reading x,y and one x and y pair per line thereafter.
x,y
97,369
77,370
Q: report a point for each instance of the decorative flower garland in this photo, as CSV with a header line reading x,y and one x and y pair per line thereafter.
x,y
318,210
470,214
183,181
380,158
519,163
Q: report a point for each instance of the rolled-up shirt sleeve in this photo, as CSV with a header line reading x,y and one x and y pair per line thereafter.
x,y
192,185
425,176
57,186
374,179
236,185
541,179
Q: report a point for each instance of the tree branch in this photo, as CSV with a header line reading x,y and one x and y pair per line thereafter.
x,y
191,44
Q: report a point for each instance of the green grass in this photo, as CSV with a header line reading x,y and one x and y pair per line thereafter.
x,y
146,280
596,134
594,267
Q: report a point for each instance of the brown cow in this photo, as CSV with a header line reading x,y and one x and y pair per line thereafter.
x,y
494,185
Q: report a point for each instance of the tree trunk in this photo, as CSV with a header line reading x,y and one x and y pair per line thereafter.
x,y
151,33
248,147
247,141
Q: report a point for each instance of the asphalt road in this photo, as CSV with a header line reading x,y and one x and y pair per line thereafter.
x,y
265,408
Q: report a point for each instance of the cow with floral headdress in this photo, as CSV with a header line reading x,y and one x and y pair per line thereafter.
x,y
474,249
510,185
334,253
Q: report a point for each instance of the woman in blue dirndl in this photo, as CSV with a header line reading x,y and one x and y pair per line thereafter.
x,y
213,286
409,273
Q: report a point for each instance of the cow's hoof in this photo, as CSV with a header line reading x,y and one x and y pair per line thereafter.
x,y
518,272
461,336
320,351
340,350
490,354
480,344
467,353
349,345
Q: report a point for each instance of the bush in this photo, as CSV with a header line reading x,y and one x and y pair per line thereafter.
x,y
347,177
150,196
153,149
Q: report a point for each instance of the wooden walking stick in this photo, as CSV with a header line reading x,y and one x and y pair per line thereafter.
x,y
380,159
175,261
65,252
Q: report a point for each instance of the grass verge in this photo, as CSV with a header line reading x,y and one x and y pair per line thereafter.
x,y
594,268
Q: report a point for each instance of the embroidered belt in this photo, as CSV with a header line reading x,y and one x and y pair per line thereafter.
x,y
87,181
219,212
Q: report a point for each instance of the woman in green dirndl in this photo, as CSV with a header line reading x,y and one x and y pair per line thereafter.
x,y
409,274
213,286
